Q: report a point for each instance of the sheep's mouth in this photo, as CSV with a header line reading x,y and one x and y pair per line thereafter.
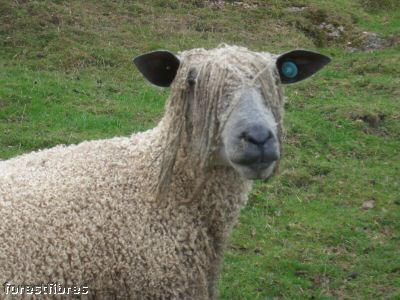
x,y
256,170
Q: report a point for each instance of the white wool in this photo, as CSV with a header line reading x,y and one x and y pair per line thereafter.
x,y
85,214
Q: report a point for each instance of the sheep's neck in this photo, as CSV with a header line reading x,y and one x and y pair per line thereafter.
x,y
228,193
215,197
214,194
215,211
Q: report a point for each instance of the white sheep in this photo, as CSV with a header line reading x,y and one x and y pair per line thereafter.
x,y
147,216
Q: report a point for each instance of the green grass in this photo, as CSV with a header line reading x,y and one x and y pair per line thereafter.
x,y
66,76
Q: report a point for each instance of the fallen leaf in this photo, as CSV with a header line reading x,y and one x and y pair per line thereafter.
x,y
368,204
253,232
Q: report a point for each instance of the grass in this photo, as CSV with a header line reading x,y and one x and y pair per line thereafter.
x,y
66,76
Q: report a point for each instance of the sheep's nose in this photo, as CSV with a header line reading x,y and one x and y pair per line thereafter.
x,y
257,135
260,145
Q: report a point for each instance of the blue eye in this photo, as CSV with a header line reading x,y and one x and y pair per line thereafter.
x,y
289,69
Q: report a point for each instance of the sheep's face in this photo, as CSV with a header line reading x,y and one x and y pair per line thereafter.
x,y
232,101
249,139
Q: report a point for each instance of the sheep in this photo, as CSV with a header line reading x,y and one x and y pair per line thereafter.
x,y
147,216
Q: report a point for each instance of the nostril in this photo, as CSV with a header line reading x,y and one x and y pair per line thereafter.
x,y
258,136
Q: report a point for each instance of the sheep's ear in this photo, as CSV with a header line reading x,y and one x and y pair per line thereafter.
x,y
297,65
158,67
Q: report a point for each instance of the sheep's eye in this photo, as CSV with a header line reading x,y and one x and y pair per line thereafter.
x,y
191,78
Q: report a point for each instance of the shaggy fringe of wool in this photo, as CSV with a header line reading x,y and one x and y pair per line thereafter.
x,y
206,83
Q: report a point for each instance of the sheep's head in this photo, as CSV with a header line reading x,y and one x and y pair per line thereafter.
x,y
227,103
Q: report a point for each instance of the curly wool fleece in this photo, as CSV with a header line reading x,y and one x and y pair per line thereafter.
x,y
89,214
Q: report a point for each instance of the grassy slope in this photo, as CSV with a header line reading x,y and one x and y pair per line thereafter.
x,y
66,76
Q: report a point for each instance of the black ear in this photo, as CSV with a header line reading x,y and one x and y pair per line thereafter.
x,y
158,67
297,65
